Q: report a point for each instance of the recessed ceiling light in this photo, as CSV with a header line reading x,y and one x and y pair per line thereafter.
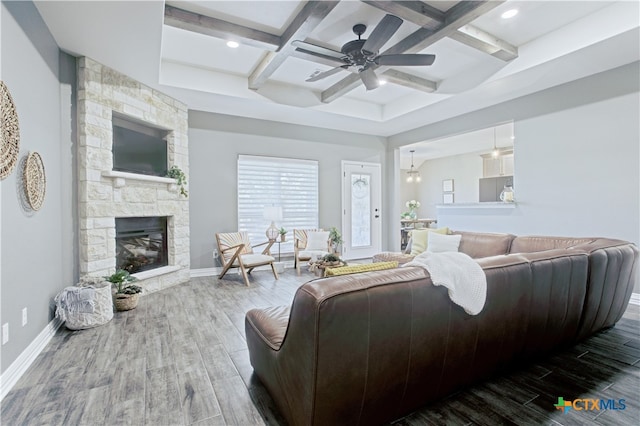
x,y
509,13
233,44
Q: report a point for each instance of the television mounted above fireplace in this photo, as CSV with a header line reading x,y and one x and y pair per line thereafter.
x,y
139,148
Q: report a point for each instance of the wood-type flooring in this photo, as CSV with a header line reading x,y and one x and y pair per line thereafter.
x,y
180,358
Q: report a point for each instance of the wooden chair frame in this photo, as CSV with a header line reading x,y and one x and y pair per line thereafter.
x,y
298,245
237,256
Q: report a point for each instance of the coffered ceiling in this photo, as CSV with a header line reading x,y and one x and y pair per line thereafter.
x,y
180,47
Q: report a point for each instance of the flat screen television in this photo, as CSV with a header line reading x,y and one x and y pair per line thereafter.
x,y
138,148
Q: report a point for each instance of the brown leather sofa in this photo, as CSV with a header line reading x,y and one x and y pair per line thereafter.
x,y
372,347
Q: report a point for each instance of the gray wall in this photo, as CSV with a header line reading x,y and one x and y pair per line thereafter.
x,y
577,158
215,141
37,247
576,175
465,170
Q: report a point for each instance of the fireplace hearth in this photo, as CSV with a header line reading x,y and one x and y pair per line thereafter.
x,y
141,243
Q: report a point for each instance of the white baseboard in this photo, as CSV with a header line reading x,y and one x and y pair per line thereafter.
x,y
212,272
204,272
635,299
26,358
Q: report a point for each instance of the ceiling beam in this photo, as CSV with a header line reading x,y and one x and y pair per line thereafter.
x,y
420,14
485,42
218,28
459,15
306,21
410,81
413,11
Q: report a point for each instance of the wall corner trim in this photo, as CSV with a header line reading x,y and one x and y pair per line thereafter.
x,y
11,376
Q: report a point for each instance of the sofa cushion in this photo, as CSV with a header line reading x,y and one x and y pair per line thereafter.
x,y
480,244
438,243
532,243
419,239
390,256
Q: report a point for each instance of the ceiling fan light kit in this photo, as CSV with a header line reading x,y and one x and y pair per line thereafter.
x,y
362,56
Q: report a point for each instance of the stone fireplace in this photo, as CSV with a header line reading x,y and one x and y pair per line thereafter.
x,y
158,252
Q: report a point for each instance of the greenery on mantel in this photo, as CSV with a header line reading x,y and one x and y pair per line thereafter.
x,y
176,173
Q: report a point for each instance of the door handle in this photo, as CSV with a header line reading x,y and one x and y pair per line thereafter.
x,y
377,216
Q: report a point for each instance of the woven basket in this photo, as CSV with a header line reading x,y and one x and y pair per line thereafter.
x,y
125,302
103,312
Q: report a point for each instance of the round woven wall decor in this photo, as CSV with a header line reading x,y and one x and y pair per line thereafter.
x,y
10,134
34,180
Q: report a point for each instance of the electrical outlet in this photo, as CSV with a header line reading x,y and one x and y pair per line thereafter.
x,y
5,333
24,316
215,255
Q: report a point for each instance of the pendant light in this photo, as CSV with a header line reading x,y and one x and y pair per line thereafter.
x,y
496,152
413,175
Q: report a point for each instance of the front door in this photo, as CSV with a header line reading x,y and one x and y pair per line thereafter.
x,y
361,212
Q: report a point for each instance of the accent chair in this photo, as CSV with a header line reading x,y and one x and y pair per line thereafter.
x,y
236,251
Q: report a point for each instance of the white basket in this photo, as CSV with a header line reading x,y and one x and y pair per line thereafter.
x,y
102,313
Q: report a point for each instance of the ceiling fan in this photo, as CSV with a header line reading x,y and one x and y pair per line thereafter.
x,y
361,55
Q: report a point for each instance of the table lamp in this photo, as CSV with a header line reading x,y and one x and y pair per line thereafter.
x,y
272,213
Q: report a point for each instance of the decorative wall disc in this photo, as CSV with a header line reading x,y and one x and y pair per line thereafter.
x,y
35,181
10,133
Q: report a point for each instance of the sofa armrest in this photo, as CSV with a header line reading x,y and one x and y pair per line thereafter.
x,y
270,324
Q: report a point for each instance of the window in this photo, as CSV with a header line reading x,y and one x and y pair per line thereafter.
x,y
269,181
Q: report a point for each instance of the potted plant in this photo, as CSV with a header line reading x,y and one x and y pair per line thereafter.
x,y
413,205
283,234
176,173
335,237
332,259
126,294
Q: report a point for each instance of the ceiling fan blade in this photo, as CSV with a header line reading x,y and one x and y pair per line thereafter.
x,y
369,79
407,59
314,48
382,33
320,76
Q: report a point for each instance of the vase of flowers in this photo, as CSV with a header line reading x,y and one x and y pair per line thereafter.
x,y
412,206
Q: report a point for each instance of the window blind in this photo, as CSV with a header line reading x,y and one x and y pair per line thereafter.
x,y
270,181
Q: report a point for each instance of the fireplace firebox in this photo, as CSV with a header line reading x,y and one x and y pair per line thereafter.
x,y
141,243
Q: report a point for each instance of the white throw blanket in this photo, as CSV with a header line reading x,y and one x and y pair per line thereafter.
x,y
460,274
73,300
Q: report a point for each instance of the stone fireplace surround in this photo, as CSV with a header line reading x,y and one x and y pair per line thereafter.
x,y
104,194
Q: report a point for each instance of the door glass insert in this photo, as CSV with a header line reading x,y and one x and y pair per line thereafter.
x,y
360,210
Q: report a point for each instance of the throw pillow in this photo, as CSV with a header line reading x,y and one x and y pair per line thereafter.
x,y
317,240
442,243
419,241
354,269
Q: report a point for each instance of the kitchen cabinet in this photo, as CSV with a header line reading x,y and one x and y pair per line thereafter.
x,y
497,166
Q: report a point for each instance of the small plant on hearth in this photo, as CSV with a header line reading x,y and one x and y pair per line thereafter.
x,y
176,173
126,294
121,279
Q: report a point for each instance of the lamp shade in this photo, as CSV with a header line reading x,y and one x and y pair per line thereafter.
x,y
273,213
